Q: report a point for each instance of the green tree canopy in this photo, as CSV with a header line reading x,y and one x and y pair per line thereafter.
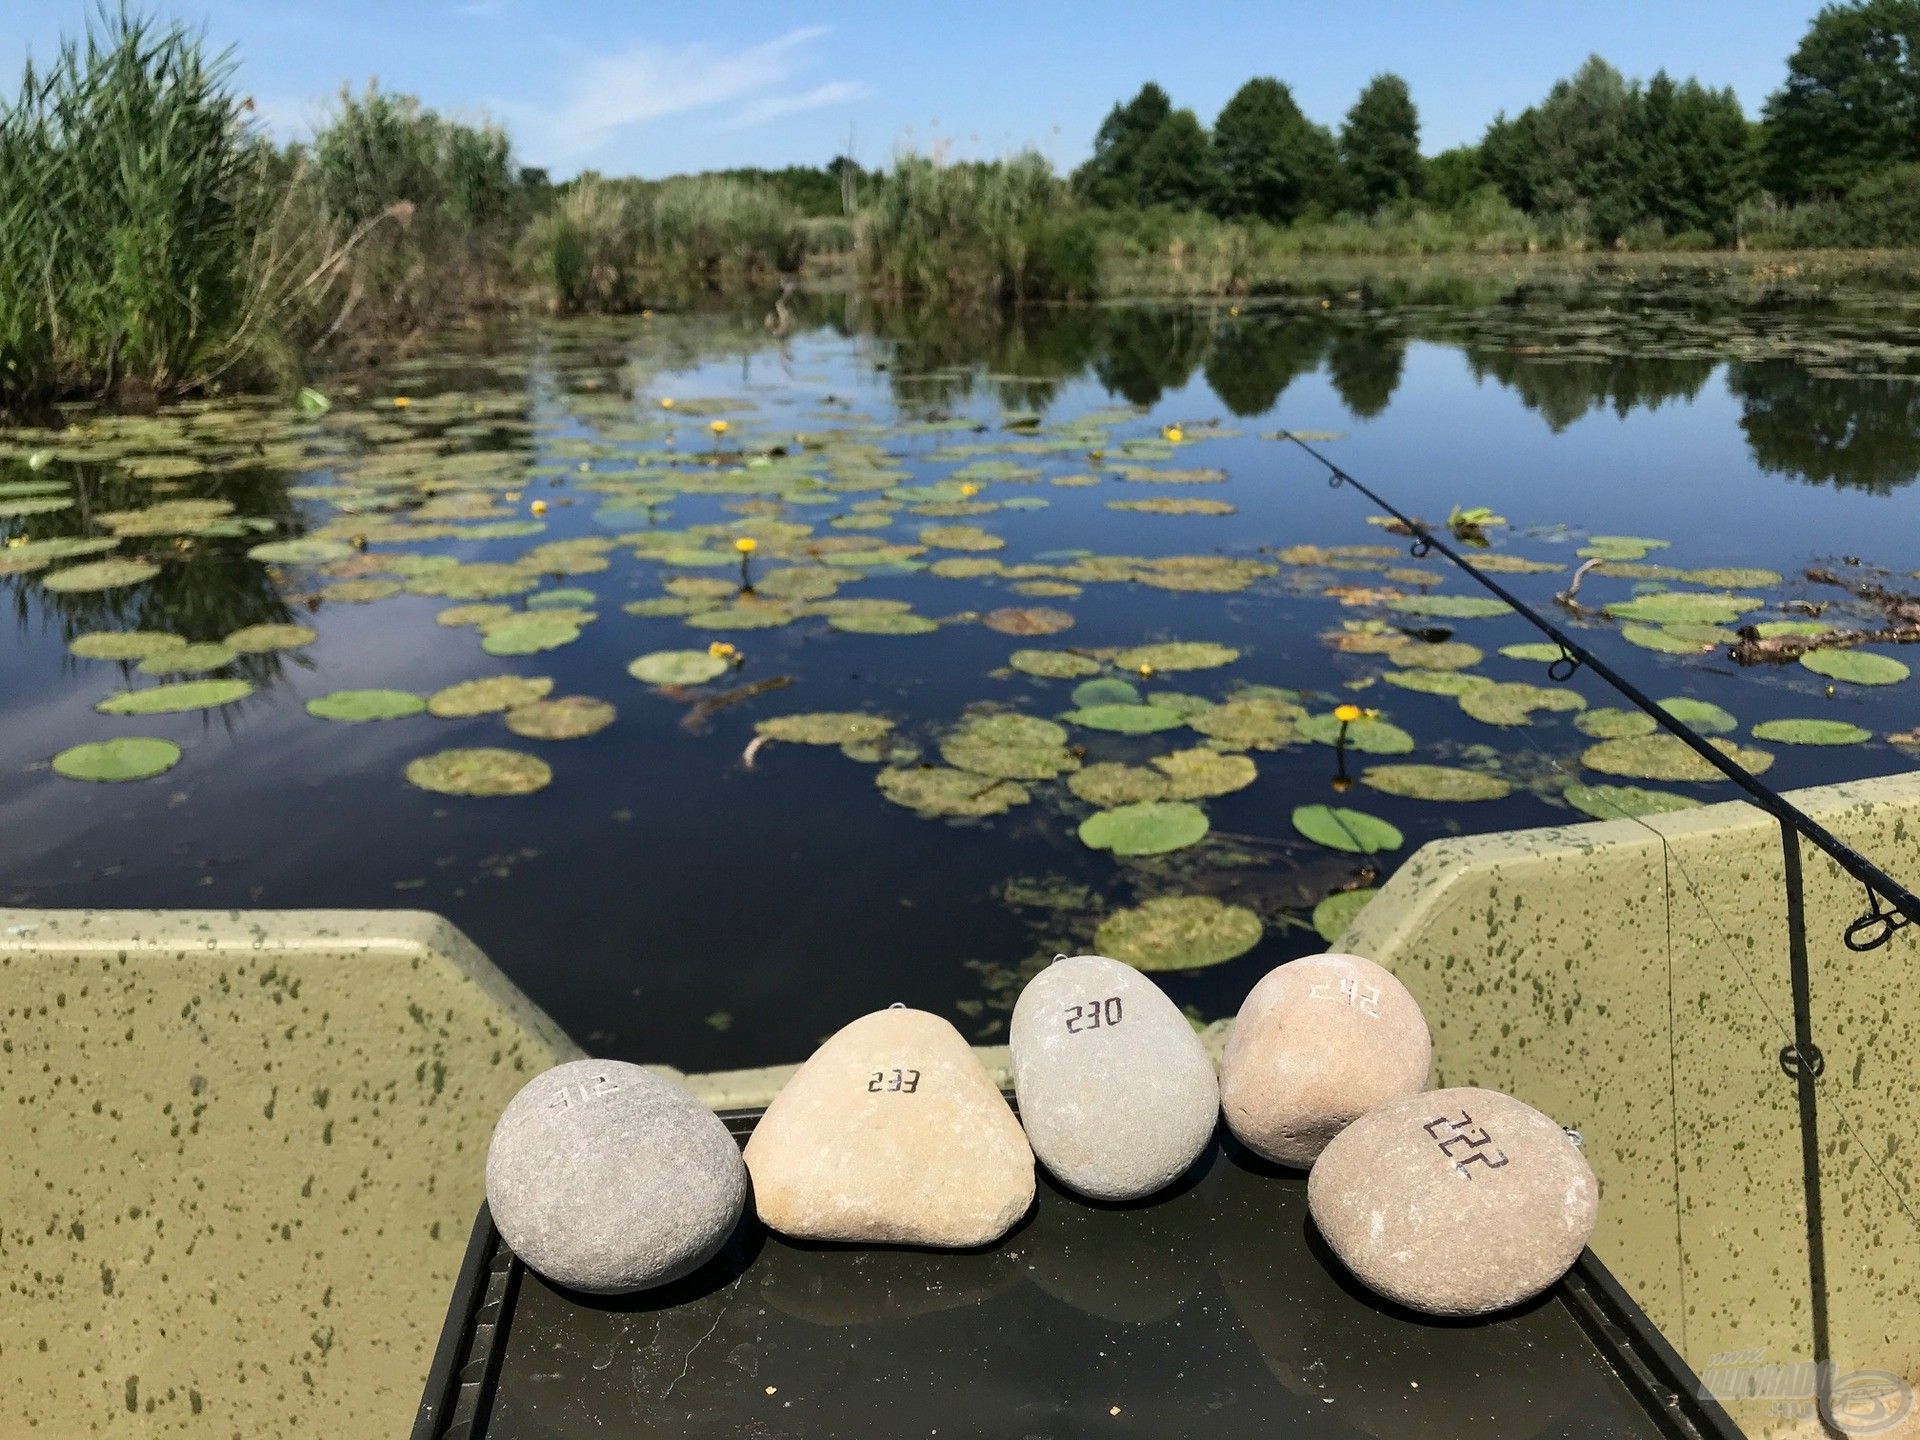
x,y
1111,175
1851,104
1271,161
1176,164
1451,176
1380,144
1692,157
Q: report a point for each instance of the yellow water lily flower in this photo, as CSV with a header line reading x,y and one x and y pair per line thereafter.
x,y
1172,434
746,544
400,402
969,490
1146,670
666,402
539,507
1347,714
1233,310
718,427
721,650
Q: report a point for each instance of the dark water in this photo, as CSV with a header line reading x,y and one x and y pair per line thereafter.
x,y
667,903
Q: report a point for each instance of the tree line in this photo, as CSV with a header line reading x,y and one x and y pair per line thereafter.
x,y
1611,158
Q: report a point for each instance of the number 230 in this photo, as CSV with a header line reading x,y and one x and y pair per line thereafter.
x,y
1093,1014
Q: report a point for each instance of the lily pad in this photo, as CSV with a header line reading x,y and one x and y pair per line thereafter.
x,y
1449,607
1536,650
129,757
1701,715
1366,735
124,644
1108,784
1200,773
480,613
1666,640
1177,655
566,597
1108,690
1667,757
570,717
1009,747
960,537
264,639
1353,831
1027,620
187,659
1125,719
1446,655
748,613
1333,915
1178,932
357,706
1610,722
1515,703
300,552
1855,667
678,667
1435,682
1053,664
1686,607
935,791
824,727
886,623
488,696
170,699
529,634
1150,827
361,592
1613,802
1249,724
100,575
1434,782
1811,732
481,771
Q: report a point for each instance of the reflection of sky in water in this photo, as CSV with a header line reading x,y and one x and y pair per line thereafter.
x,y
657,882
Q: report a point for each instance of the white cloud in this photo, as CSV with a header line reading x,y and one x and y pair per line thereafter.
x,y
611,93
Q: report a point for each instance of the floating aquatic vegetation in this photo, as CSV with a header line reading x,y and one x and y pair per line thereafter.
x,y
888,623
479,580
1620,547
1448,607
676,667
266,639
1109,784
1148,827
496,693
1811,732
1516,703
800,582
32,555
1178,932
22,505
529,634
565,598
705,587
1613,802
657,607
358,706
187,659
481,614
1369,735
1854,667
1107,690
1333,915
825,727
1701,715
100,575
1009,747
1046,589
1667,757
1176,655
360,592
1435,682
169,699
1053,664
569,717
934,791
1027,620
129,757
965,567
1169,505
300,552
1666,640
1434,782
124,644
1733,577
1201,773
960,537
1612,723
1445,655
480,771
1353,831
1541,651
1773,629
1250,724
1684,607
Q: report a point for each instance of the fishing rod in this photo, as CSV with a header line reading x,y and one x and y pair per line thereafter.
x,y
1870,931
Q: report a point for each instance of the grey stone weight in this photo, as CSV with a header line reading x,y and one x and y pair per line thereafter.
x,y
1319,1042
1116,1092
607,1178
1455,1202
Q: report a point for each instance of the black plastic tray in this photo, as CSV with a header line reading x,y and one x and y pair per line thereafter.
x,y
1213,1311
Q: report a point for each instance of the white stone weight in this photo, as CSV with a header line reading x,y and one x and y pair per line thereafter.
x,y
1116,1092
1318,1043
891,1133
607,1178
1454,1202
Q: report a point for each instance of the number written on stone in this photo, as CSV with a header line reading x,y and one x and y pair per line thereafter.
x,y
888,1081
1476,1145
1094,1014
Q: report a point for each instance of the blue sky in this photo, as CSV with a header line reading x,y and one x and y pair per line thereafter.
x,y
652,89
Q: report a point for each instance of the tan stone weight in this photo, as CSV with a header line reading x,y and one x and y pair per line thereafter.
x,y
1116,1092
1319,1042
891,1133
1455,1202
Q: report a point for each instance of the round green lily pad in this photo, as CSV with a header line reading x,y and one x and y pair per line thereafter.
x,y
1150,827
678,667
1449,607
1667,757
263,639
360,592
1613,802
1201,773
1353,831
1701,715
1855,667
130,757
1689,607
1610,722
1108,784
890,623
1665,639
824,727
1435,682
749,613
187,659
1334,914
1175,655
100,575
529,634
480,612
1107,690
569,717
566,597
934,791
482,771
1445,655
169,699
654,608
1011,747
1125,719
356,706
300,552
1515,703
488,696
1536,650
1178,932
1053,664
1249,724
1434,782
1811,732
124,644
1027,620
1368,736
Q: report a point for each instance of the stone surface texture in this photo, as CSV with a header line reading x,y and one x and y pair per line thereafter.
x,y
892,1133
1319,1042
1454,1202
1116,1093
608,1178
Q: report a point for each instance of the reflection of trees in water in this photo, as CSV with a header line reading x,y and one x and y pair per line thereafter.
x,y
1254,359
1863,434
1364,365
1146,352
1564,391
